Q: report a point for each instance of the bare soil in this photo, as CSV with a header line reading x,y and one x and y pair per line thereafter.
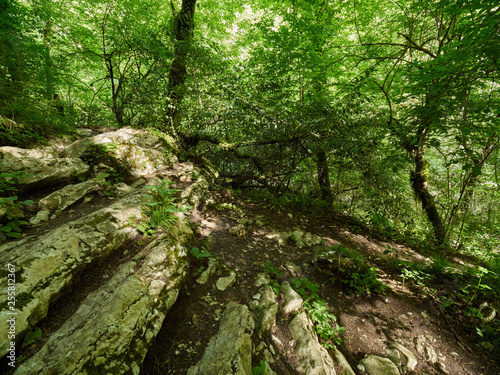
x,y
402,313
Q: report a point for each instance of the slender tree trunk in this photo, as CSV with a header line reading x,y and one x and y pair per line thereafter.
x,y
324,177
183,30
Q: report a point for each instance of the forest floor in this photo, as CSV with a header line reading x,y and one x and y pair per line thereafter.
x,y
402,313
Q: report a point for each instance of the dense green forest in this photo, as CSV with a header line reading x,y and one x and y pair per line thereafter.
x,y
385,112
388,111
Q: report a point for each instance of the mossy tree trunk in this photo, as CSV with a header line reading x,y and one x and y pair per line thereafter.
x,y
419,177
183,31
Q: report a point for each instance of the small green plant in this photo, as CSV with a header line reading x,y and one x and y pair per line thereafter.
x,y
472,290
32,337
110,179
161,211
10,206
200,253
274,272
356,273
325,323
261,369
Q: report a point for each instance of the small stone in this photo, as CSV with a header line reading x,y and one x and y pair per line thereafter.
x,y
261,346
293,301
253,305
376,365
225,282
441,367
256,296
430,354
40,216
207,272
262,279
238,230
420,344
276,340
411,359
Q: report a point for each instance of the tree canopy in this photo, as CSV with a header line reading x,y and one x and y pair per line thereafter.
x,y
388,111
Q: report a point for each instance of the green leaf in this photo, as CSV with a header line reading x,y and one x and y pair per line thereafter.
x,y
32,337
28,202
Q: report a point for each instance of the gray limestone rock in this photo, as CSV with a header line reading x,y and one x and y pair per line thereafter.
x,y
23,153
410,359
238,230
212,265
194,193
40,217
280,237
293,302
142,151
313,357
342,361
225,282
49,263
111,331
65,197
262,279
41,172
269,309
375,365
430,354
230,351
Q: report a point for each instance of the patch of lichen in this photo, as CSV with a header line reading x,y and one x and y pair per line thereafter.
x,y
22,299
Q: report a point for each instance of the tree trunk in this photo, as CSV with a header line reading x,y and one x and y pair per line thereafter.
x,y
183,30
324,177
420,181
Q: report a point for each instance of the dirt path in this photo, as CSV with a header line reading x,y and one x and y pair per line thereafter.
x,y
372,322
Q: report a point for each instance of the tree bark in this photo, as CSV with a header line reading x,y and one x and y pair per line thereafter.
x,y
324,177
183,30
420,181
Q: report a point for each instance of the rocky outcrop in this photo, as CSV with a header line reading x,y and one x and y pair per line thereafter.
x,y
142,153
112,329
297,237
50,263
40,169
68,195
126,312
230,351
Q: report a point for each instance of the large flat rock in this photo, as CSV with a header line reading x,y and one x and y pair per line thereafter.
x,y
111,331
47,265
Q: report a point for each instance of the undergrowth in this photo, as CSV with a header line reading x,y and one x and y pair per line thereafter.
x,y
10,206
325,323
